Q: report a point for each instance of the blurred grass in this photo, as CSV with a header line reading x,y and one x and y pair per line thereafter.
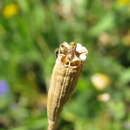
x,y
30,31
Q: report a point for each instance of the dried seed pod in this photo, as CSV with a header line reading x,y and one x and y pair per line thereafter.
x,y
66,71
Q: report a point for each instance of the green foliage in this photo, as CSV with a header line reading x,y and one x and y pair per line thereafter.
x,y
30,31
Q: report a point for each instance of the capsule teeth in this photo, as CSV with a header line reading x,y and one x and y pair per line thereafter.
x,y
71,53
81,49
65,44
83,57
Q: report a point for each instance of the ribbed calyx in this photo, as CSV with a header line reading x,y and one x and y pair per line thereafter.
x,y
65,74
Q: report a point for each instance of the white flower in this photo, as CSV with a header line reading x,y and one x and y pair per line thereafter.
x,y
105,97
100,81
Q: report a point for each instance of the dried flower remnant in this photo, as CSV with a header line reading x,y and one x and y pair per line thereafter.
x,y
64,9
106,39
69,63
126,39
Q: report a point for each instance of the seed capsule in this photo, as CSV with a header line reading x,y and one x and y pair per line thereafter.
x,y
65,74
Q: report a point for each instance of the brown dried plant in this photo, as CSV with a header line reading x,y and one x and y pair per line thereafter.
x,y
69,63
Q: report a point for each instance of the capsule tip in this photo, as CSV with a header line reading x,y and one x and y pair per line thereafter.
x,y
72,54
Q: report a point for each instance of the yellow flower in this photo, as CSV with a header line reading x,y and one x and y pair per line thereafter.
x,y
100,81
123,2
10,10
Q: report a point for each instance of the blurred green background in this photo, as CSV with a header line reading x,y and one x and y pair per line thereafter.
x,y
31,30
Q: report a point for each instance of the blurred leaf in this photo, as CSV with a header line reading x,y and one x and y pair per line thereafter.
x,y
125,77
105,24
117,110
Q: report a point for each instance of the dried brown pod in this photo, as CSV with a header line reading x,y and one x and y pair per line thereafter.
x,y
69,62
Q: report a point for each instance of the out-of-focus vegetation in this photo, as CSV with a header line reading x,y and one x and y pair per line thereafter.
x,y
31,30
